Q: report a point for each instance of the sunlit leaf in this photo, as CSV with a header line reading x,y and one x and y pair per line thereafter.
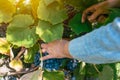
x,y
38,75
34,6
32,75
117,65
48,32
114,12
24,7
79,27
20,32
16,64
47,2
106,74
4,46
52,13
14,1
29,56
7,9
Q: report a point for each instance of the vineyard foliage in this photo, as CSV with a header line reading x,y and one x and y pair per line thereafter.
x,y
31,21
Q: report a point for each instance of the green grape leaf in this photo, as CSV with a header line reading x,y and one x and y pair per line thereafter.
x,y
46,75
7,9
54,75
114,12
48,32
77,26
52,13
29,56
4,46
106,74
20,32
79,71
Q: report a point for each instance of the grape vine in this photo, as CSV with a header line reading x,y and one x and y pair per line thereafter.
x,y
25,24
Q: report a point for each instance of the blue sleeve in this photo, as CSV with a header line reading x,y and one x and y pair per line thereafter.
x,y
99,46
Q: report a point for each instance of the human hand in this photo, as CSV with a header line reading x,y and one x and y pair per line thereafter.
x,y
96,12
56,49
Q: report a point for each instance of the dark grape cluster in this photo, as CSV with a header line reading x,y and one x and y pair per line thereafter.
x,y
50,64
54,64
71,65
36,59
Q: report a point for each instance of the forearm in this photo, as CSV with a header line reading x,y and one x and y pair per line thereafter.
x,y
100,46
110,4
114,3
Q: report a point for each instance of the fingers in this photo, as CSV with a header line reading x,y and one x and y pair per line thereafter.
x,y
101,19
86,13
96,14
83,17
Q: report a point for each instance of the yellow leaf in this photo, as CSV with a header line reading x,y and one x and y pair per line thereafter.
x,y
47,2
14,1
16,64
4,46
7,9
34,5
24,7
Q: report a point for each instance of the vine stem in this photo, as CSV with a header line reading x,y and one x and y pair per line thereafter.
x,y
41,66
22,72
20,53
96,68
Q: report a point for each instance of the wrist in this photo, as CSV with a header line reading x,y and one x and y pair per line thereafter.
x,y
66,50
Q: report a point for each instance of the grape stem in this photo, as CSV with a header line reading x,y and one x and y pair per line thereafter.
x,y
41,66
20,53
23,72
96,68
